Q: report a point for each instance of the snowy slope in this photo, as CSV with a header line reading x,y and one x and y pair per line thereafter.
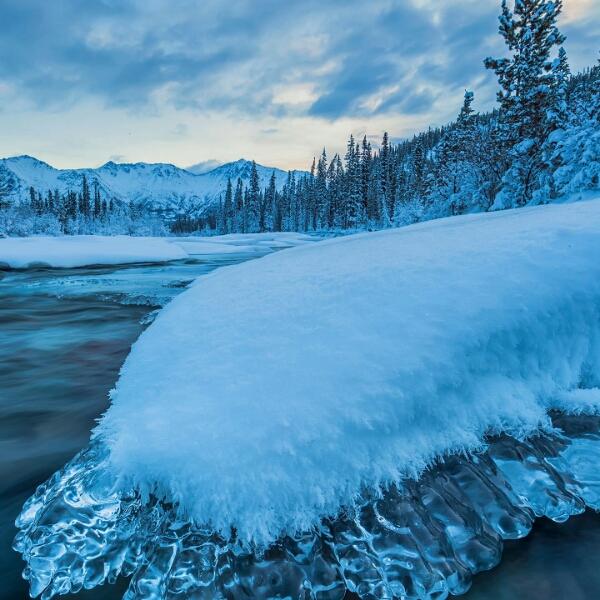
x,y
203,167
269,393
159,186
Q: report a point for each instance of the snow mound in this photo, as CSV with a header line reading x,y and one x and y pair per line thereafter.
x,y
242,243
84,250
269,394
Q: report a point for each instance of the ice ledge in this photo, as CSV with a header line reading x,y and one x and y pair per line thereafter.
x,y
422,540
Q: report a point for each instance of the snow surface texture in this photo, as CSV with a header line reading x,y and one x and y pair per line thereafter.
x,y
85,250
269,394
78,251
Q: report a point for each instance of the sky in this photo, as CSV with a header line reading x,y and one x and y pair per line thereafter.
x,y
188,81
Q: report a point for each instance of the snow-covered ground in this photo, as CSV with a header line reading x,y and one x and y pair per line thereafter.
x,y
85,250
235,243
82,250
269,393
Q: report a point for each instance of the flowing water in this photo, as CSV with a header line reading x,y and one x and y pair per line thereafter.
x,y
63,337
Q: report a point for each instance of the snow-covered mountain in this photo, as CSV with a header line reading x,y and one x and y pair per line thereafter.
x,y
203,167
158,186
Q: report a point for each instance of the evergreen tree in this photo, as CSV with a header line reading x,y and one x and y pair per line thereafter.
x,y
321,209
97,201
455,184
272,221
228,208
526,96
33,198
352,207
254,210
369,198
239,222
84,197
386,201
419,174
293,219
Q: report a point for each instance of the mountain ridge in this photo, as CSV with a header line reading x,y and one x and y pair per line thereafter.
x,y
162,187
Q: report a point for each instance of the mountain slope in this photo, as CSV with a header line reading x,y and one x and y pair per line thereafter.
x,y
159,186
203,167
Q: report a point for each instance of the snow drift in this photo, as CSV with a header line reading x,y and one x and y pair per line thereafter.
x,y
84,250
270,393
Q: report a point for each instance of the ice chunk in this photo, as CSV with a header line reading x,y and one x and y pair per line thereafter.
x,y
270,394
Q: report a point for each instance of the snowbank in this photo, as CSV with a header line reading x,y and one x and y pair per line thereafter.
x,y
201,247
82,250
242,243
269,393
85,250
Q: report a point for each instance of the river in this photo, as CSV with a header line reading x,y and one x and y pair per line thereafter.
x,y
63,338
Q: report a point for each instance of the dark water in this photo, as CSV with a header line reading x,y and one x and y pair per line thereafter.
x,y
63,338
556,562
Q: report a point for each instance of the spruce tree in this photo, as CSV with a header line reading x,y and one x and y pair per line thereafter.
x,y
85,197
97,201
386,201
272,218
454,179
32,198
526,96
228,208
321,209
352,215
293,221
253,205
237,220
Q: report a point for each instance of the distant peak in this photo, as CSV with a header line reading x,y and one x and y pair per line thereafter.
x,y
26,157
111,164
204,166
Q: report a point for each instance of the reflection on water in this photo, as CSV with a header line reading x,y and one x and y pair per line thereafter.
x,y
63,338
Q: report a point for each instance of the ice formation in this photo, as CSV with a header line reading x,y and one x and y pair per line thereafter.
x,y
419,540
372,414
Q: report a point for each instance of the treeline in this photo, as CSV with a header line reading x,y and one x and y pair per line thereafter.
x,y
70,207
77,212
542,143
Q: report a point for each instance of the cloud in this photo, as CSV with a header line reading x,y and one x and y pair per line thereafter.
x,y
247,56
180,130
267,64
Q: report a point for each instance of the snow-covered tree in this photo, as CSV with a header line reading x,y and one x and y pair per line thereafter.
x,y
526,97
253,204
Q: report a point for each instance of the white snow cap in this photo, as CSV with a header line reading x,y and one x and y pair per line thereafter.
x,y
269,393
